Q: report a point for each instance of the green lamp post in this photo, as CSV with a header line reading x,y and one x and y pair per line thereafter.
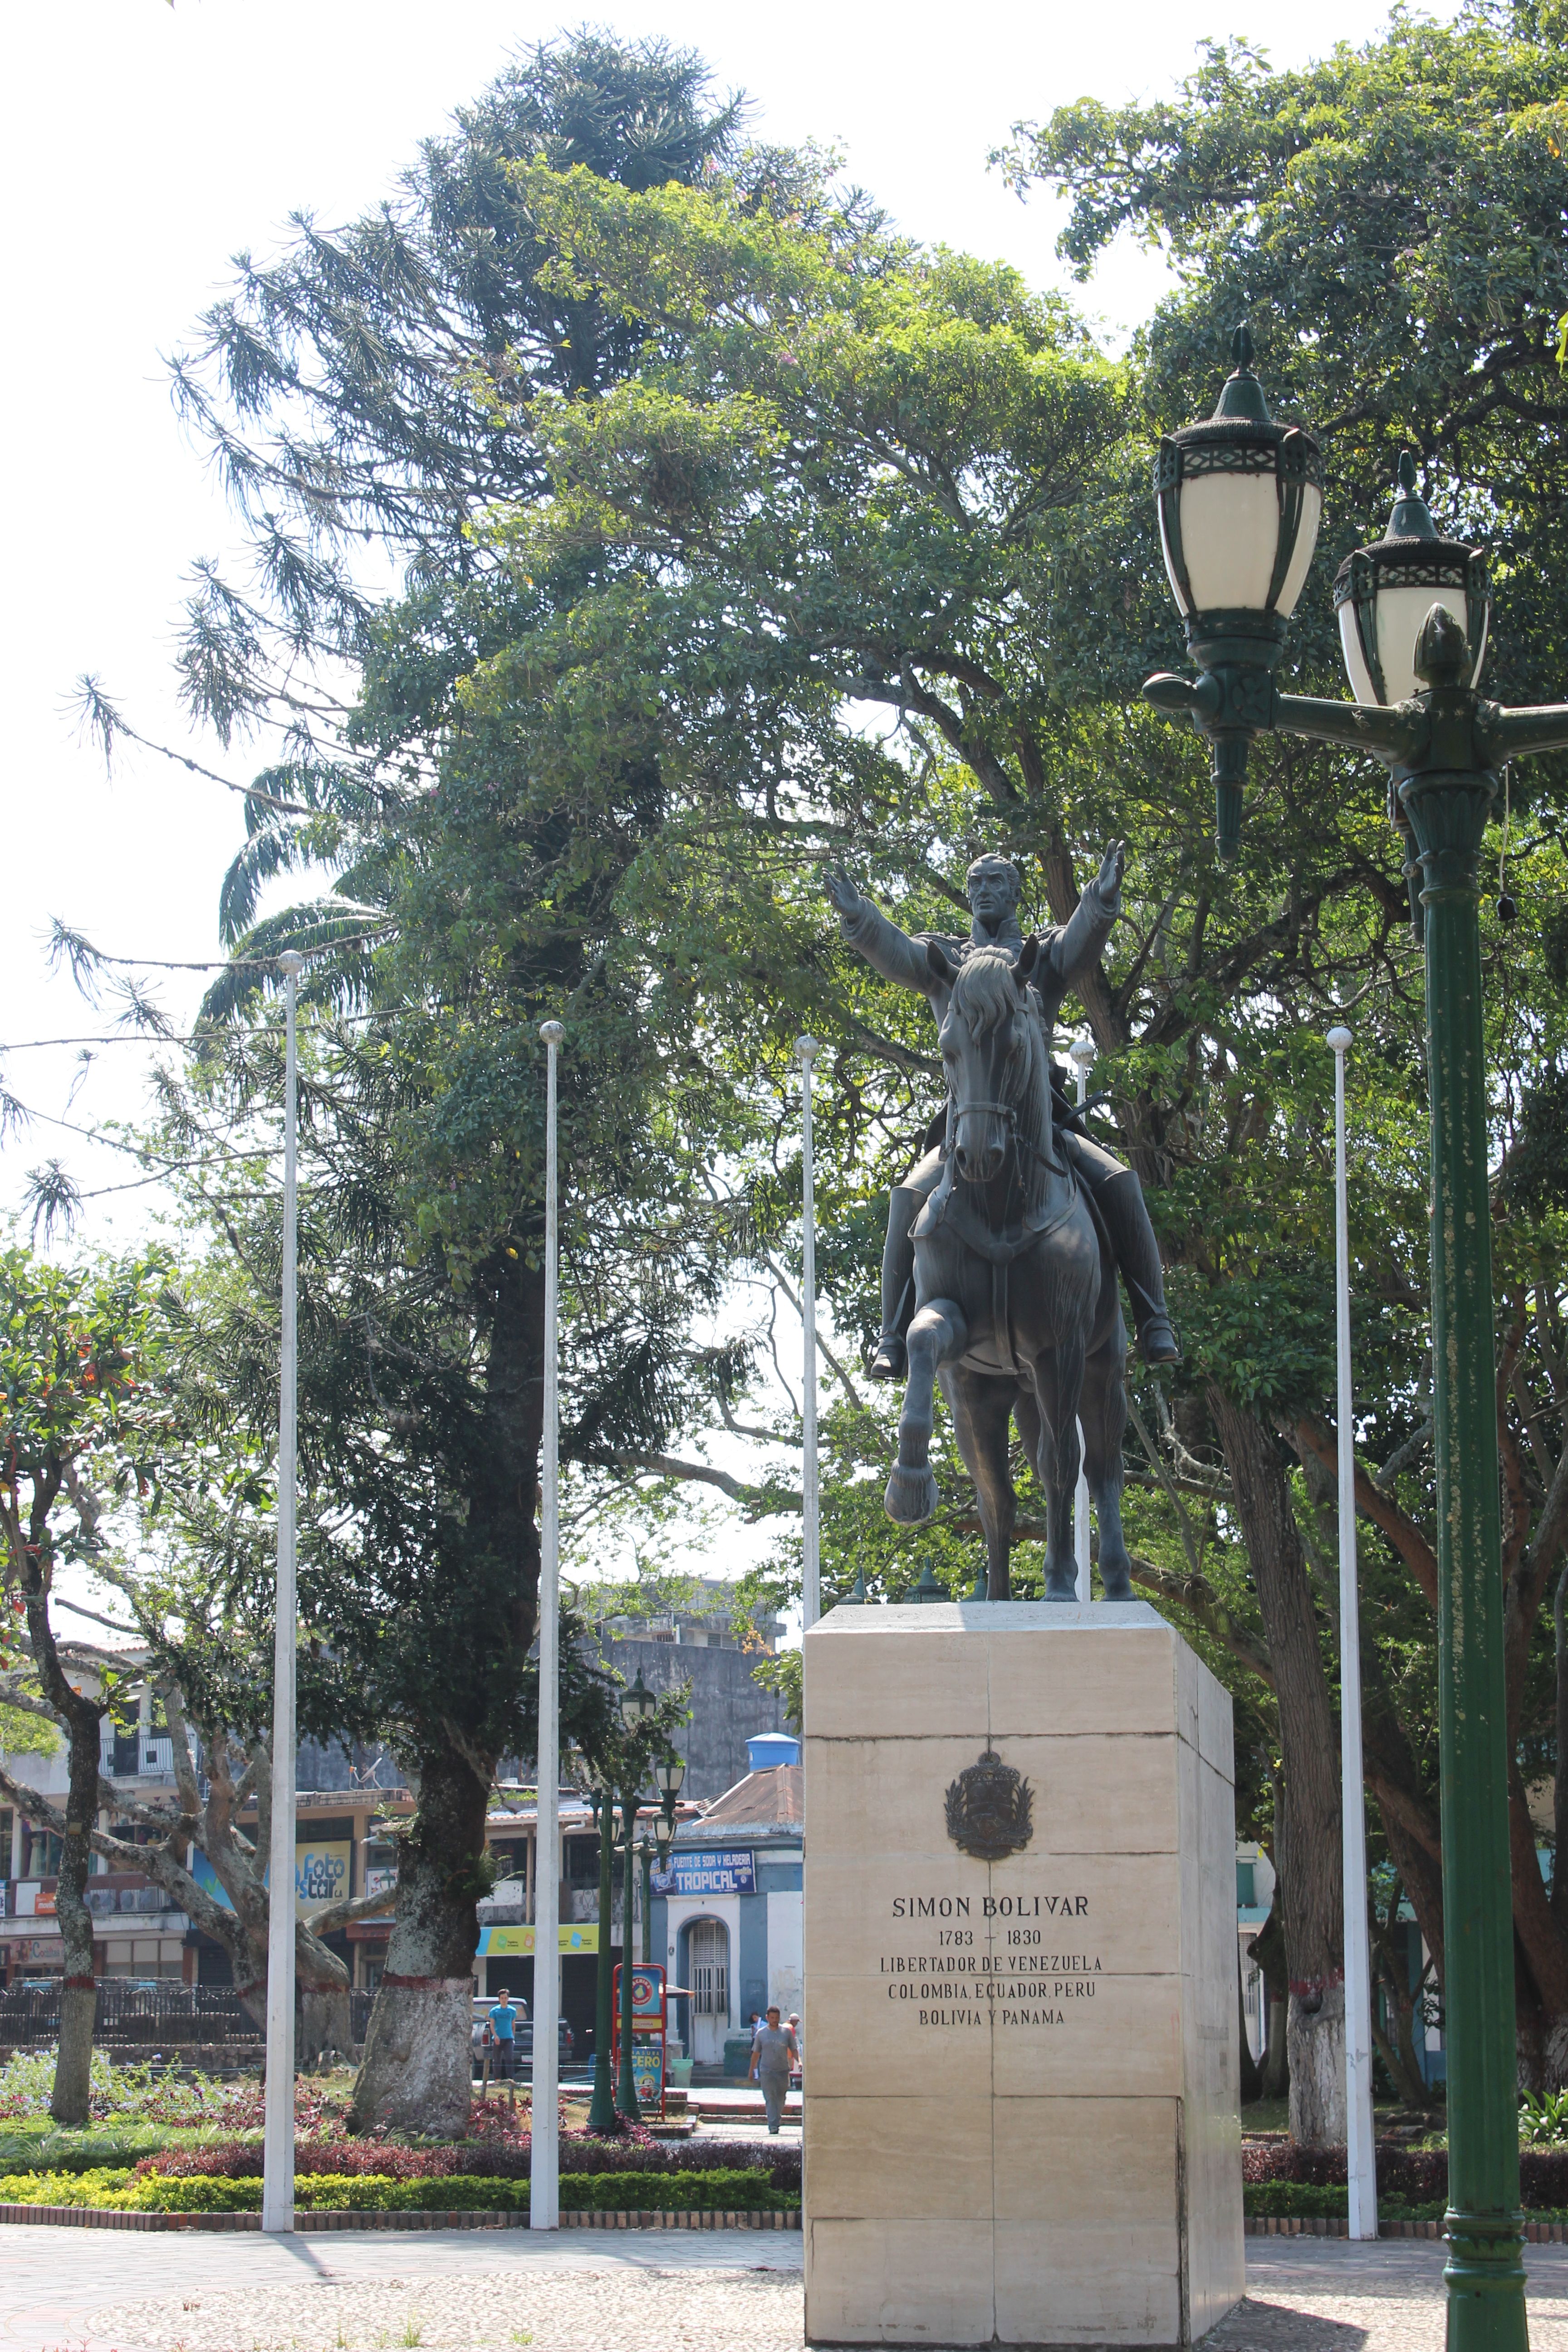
x,y
626,2084
646,1849
668,1775
638,1706
602,2108
1413,620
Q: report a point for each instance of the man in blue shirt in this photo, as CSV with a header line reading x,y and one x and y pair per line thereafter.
x,y
503,2025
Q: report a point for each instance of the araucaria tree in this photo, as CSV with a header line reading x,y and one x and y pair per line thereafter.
x,y
478,869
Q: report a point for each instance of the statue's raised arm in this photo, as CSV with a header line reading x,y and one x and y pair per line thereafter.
x,y
886,949
1079,942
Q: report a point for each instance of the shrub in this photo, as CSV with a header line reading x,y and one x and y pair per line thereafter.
x,y
580,2156
1412,2182
113,2189
1294,2199
717,2190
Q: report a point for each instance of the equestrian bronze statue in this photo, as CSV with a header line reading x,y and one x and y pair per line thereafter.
x,y
1006,1237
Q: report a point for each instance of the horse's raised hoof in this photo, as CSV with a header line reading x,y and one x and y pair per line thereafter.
x,y
912,1495
1118,1584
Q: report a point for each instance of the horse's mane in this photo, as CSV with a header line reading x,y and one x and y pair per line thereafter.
x,y
986,994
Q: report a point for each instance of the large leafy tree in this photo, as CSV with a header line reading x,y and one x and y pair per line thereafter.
x,y
482,871
849,476
1390,220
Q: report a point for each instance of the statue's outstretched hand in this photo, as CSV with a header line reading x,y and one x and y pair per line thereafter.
x,y
841,890
1112,867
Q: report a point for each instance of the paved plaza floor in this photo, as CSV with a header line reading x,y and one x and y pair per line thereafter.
x,y
67,2290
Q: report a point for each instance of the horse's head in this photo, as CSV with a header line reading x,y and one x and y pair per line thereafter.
x,y
989,1042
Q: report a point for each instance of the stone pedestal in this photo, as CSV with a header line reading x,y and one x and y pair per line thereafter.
x,y
1021,2120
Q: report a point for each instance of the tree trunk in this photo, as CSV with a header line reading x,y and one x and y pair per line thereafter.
x,y
1311,1894
416,2075
323,1980
1267,1948
78,1995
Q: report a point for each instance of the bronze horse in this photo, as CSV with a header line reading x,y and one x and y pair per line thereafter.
x,y
1017,1311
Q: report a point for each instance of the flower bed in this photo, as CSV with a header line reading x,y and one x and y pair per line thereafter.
x,y
115,2188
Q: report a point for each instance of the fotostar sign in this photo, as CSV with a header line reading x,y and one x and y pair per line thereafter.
x,y
706,1873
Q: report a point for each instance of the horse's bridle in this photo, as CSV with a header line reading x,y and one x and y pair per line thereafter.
x,y
1009,1112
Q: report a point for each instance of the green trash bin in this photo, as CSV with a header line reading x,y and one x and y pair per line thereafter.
x,y
737,2055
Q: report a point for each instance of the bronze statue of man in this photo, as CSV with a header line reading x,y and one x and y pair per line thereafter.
x,y
1066,950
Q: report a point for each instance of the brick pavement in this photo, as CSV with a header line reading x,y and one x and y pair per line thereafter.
x,y
655,2291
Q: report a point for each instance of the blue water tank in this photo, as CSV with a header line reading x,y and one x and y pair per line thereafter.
x,y
770,1749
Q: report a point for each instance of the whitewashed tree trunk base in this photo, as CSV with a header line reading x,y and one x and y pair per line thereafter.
x,y
417,2072
1316,2041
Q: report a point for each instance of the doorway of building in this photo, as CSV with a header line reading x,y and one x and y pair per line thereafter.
x,y
707,1972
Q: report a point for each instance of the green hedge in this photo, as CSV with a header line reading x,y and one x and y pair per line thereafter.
x,y
1309,2201
112,2188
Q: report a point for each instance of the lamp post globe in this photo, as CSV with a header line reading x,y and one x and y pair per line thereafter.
x,y
1239,499
1384,595
637,1703
668,1776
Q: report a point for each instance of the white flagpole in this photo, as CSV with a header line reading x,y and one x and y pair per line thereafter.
x,y
1081,1053
806,1050
277,2137
544,2165
1360,2148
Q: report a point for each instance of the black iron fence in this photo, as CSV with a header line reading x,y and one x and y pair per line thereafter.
x,y
155,2014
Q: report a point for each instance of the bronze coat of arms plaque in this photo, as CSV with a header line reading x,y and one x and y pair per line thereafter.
x,y
990,1809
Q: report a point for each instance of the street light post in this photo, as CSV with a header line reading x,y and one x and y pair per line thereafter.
x,y
544,2105
1360,2147
806,1050
602,2108
638,1707
646,1851
278,2152
1414,617
626,2088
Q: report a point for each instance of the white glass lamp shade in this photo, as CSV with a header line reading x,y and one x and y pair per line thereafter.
x,y
1384,592
1230,522
1400,611
1239,499
637,1703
